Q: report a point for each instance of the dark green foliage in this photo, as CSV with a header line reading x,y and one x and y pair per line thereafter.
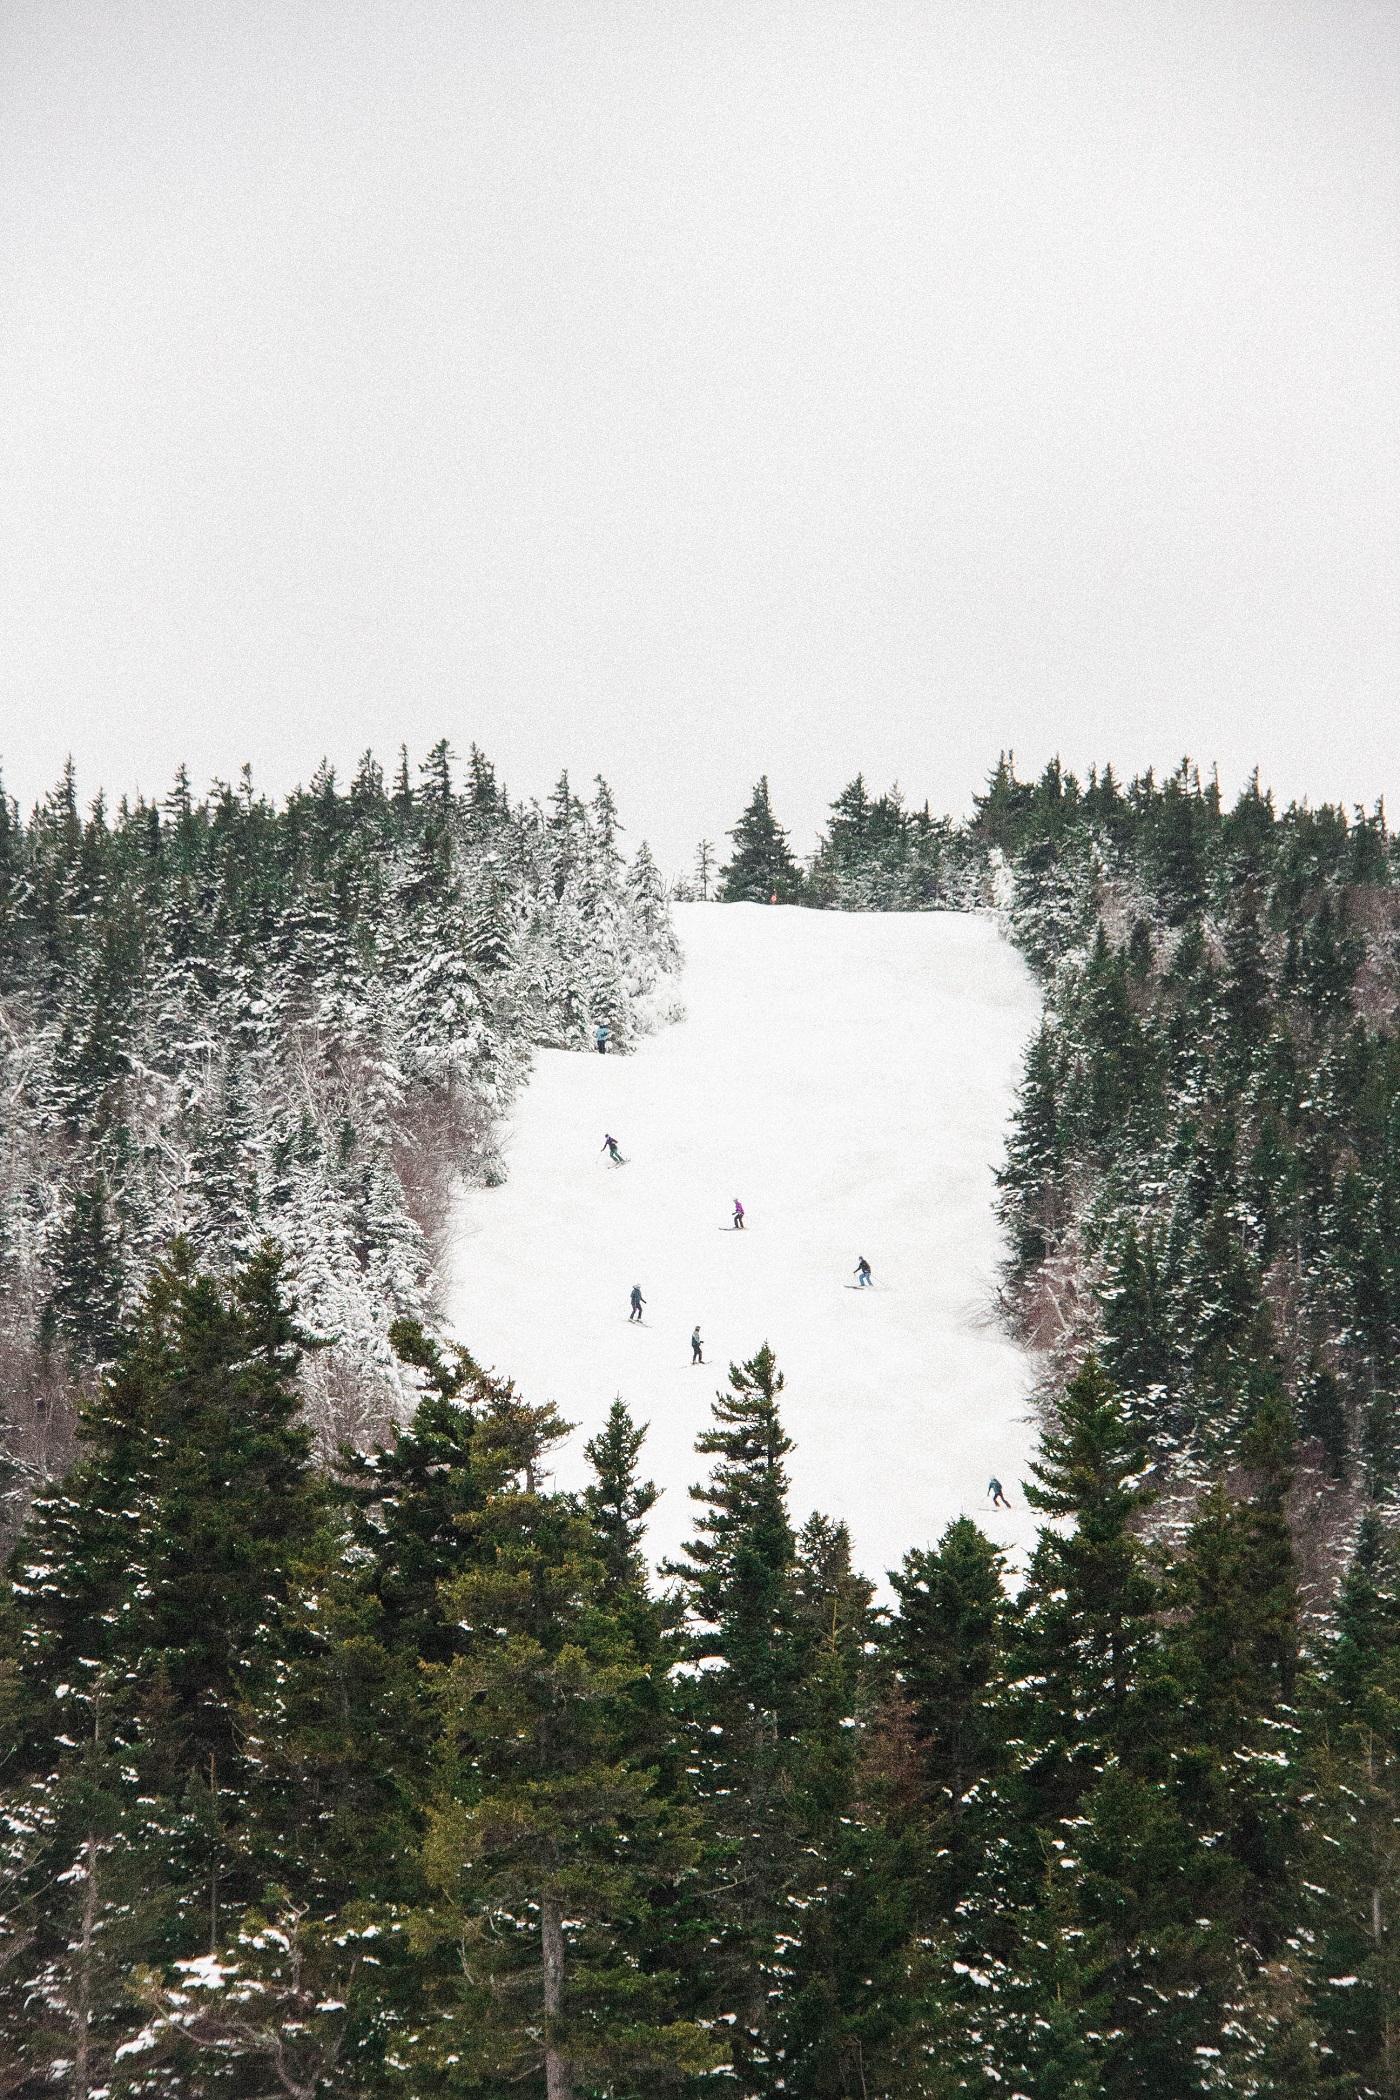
x,y
409,1783
87,1289
413,1499
1210,1112
548,1838
397,1781
617,1502
161,1559
1322,1414
946,1643
876,855
1137,1337
1086,1615
151,1592
743,1705
761,869
1035,1157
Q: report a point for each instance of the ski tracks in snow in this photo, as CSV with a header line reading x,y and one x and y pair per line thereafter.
x,y
849,1078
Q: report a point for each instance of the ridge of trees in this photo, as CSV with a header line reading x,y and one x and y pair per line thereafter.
x,y
403,1779
225,1019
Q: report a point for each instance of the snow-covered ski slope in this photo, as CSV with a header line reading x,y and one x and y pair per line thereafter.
x,y
849,1078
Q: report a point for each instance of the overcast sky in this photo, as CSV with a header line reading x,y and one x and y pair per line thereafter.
x,y
689,390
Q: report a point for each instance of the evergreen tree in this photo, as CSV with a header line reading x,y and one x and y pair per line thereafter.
x,y
947,1643
1351,1871
1136,1344
1246,988
1322,1414
1234,1653
549,1840
88,1275
849,1898
1034,1157
761,868
1121,1970
743,1710
1086,1636
150,1587
412,1497
617,1502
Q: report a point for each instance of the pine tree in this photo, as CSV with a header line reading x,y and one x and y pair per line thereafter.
x,y
1351,1871
403,798
436,774
88,1265
1322,1414
947,1644
743,1709
78,1910
1109,1078
1232,1357
549,1839
1086,1638
11,851
841,1960
1034,1156
761,868
1136,1345
1124,1958
617,1502
1234,1652
1245,991
650,909
150,1585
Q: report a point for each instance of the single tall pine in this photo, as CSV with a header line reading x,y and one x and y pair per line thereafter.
x,y
761,869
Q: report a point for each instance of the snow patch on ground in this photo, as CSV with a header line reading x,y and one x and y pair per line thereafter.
x,y
849,1077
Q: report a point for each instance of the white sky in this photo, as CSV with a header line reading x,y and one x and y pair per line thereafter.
x,y
687,390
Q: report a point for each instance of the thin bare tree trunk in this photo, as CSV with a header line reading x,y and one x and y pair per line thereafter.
x,y
556,2067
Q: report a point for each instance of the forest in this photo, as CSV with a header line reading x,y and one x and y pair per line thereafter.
x,y
343,1755
224,1020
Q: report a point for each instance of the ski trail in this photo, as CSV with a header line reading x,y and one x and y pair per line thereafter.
x,y
849,1077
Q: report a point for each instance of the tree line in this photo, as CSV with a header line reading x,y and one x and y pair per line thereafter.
x,y
227,1019
404,1777
339,1754
1203,1173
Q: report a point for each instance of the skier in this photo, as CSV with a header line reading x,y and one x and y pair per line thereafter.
x,y
862,1273
696,1347
738,1215
638,1301
600,1037
610,1147
999,1500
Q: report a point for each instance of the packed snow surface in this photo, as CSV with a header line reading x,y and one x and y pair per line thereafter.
x,y
849,1078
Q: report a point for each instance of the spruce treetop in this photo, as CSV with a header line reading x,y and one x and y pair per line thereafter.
x,y
762,866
